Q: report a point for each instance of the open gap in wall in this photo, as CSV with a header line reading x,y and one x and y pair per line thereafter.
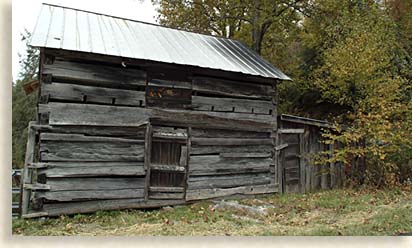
x,y
205,154
167,178
165,153
168,97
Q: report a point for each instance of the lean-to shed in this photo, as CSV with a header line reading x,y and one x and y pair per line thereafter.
x,y
136,115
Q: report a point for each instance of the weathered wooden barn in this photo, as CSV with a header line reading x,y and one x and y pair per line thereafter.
x,y
135,115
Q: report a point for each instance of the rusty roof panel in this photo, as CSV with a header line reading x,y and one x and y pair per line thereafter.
x,y
78,30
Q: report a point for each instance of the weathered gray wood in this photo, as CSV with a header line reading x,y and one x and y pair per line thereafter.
x,y
56,209
59,184
201,150
93,94
230,141
81,137
183,156
231,105
187,157
27,172
90,171
91,151
37,165
217,120
302,165
167,167
147,158
308,166
166,189
232,88
169,133
291,131
81,72
74,164
279,162
219,192
34,215
280,147
100,115
82,195
221,133
125,132
324,170
89,114
36,186
216,165
161,195
226,181
170,83
246,155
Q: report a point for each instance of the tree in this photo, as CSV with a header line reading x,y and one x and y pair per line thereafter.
x,y
229,18
356,54
23,106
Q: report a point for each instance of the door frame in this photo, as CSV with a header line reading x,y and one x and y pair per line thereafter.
x,y
281,170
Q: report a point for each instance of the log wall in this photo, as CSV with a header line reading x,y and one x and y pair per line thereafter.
x,y
107,132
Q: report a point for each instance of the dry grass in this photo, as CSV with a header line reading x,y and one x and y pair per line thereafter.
x,y
335,212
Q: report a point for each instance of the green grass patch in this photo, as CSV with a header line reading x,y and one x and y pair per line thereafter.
x,y
334,212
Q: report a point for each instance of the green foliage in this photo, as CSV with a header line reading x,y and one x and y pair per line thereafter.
x,y
23,106
356,70
248,20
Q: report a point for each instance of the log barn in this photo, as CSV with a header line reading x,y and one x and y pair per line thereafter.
x,y
136,115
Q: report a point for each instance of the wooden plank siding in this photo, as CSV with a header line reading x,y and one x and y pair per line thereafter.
x,y
116,137
312,177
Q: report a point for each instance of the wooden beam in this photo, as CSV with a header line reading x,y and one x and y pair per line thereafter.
x,y
187,157
34,215
302,164
280,147
166,189
38,165
147,158
56,209
36,186
230,141
167,167
291,131
102,74
220,192
27,172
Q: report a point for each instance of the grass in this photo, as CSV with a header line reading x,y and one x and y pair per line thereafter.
x,y
334,212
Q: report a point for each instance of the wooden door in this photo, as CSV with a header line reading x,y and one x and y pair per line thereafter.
x,y
291,160
168,163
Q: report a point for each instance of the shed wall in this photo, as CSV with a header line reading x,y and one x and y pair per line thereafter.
x,y
109,132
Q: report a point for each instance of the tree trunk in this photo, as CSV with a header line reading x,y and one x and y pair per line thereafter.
x,y
256,28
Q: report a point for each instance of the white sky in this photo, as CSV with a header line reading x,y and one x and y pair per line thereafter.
x,y
25,14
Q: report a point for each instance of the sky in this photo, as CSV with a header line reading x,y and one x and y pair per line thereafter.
x,y
25,13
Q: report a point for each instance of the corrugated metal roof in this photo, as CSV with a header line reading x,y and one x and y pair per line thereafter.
x,y
78,30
